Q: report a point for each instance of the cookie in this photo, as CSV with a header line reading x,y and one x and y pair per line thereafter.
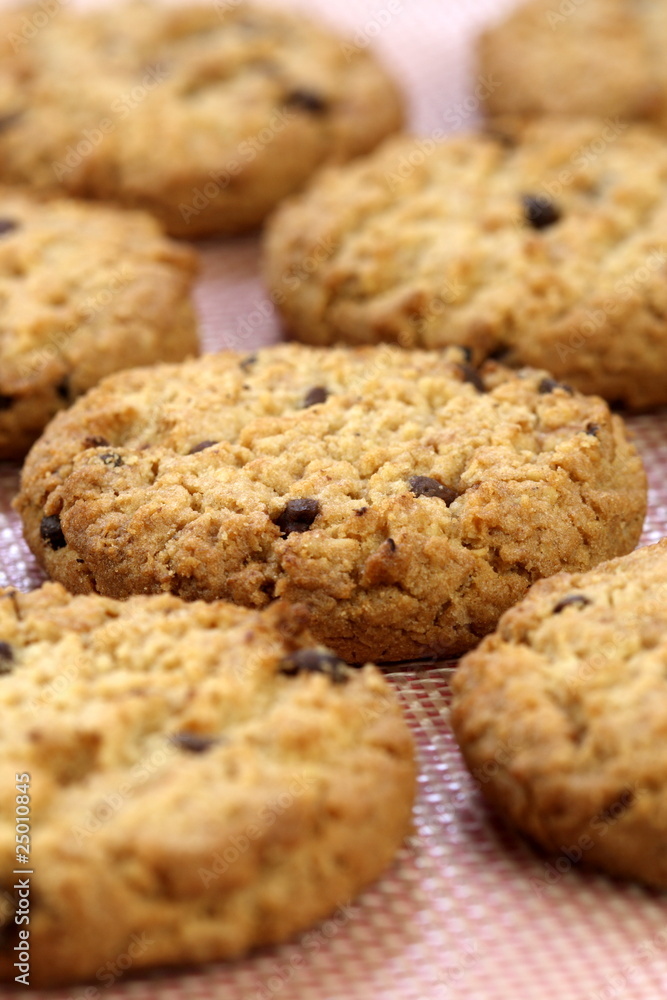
x,y
544,245
84,291
591,57
211,774
561,715
205,114
405,498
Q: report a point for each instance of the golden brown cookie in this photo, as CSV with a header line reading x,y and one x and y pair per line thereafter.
x,y
544,245
405,497
205,114
562,714
201,779
579,57
84,291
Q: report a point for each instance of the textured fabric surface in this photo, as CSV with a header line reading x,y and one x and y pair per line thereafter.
x,y
469,910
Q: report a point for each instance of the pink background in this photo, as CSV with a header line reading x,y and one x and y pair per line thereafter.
x,y
463,913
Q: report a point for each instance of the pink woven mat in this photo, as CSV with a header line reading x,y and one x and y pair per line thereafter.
x,y
469,910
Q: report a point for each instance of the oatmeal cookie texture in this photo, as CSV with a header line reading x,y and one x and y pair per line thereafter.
x,y
562,714
212,775
591,57
406,498
205,114
544,244
84,291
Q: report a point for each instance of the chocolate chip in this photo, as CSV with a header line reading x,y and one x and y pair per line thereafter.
x,y
318,394
6,402
315,661
52,533
424,486
361,511
248,362
549,385
467,353
574,600
6,121
592,429
112,459
307,100
6,658
192,742
95,442
7,226
298,516
540,211
472,376
202,446
391,544
63,388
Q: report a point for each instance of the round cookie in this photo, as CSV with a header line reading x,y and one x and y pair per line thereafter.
x,y
406,498
205,114
598,57
84,291
215,778
544,245
562,715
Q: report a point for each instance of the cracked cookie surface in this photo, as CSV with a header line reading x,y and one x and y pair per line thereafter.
x,y
544,245
561,715
408,507
84,291
206,115
599,58
213,775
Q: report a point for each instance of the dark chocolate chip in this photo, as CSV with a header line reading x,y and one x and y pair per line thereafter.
x,y
192,742
361,511
574,600
52,533
315,661
472,376
6,121
202,446
467,353
6,402
424,486
550,384
592,429
540,211
298,516
391,543
307,100
248,362
112,459
63,388
318,394
95,442
7,226
6,658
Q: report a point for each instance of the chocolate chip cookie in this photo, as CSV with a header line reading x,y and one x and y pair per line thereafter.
x,y
84,291
561,714
544,245
212,775
205,114
406,498
579,57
